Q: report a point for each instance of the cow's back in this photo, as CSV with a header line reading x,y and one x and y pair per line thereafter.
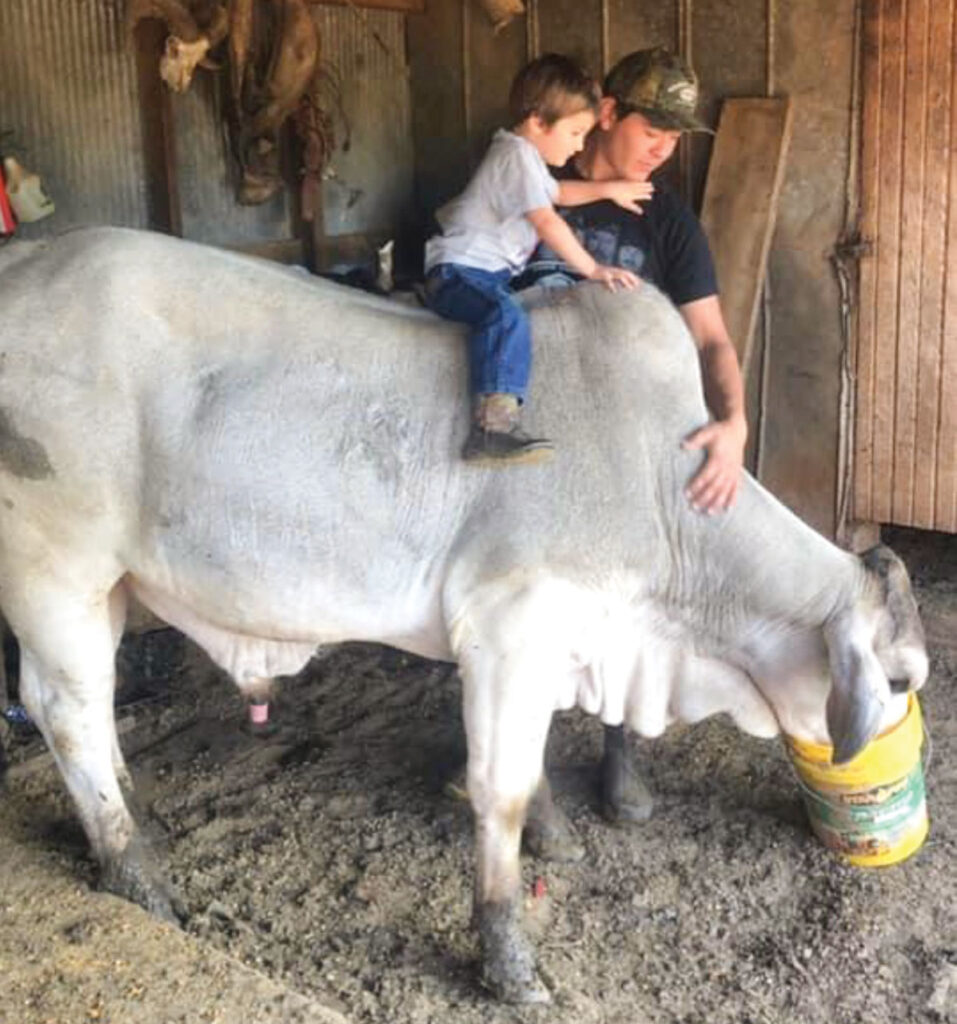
x,y
216,417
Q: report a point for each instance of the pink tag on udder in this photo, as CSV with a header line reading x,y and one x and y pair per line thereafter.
x,y
259,712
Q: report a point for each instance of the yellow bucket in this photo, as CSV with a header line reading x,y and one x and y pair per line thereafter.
x,y
871,811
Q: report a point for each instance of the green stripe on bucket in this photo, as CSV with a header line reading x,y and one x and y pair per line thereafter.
x,y
881,815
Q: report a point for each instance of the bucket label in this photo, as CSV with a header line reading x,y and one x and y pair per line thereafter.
x,y
869,821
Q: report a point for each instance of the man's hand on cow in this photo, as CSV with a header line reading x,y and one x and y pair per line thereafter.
x,y
612,277
715,486
628,194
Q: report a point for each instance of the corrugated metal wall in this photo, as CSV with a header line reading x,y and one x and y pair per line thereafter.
x,y
371,188
68,101
204,175
905,451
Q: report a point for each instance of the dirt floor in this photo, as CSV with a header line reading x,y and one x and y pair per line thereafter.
x,y
329,859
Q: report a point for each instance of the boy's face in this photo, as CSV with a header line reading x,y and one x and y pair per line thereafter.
x,y
560,141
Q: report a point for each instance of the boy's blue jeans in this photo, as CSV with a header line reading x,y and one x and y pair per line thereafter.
x,y
500,344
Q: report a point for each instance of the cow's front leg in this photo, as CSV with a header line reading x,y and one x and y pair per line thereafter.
x,y
506,739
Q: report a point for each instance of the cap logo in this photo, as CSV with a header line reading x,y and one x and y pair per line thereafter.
x,y
685,92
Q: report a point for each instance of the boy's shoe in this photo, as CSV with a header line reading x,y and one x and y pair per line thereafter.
x,y
497,439
515,448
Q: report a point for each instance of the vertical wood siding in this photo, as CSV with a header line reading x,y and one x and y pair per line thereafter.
x,y
905,450
462,69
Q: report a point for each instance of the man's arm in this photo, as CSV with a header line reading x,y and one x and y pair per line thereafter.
x,y
715,487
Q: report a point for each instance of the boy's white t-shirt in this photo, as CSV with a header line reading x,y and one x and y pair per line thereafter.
x,y
486,227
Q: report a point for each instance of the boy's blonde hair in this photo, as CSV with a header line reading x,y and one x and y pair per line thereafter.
x,y
552,87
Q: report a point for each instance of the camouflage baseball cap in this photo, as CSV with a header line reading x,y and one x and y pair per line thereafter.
x,y
658,85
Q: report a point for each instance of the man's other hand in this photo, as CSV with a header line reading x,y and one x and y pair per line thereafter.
x,y
715,486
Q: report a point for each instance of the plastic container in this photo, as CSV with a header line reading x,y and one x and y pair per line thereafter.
x,y
871,811
25,192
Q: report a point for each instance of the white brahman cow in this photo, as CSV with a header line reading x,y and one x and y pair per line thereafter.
x,y
270,462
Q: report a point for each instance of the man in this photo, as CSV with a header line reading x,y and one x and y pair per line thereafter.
x,y
649,99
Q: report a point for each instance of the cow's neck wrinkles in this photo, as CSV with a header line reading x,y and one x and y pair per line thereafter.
x,y
724,578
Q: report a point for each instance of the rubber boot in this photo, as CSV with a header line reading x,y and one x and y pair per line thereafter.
x,y
496,438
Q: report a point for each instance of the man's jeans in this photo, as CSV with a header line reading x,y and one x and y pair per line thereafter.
x,y
500,346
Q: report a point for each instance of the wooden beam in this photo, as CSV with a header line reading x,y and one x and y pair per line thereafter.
x,y
408,6
156,118
865,348
740,206
887,262
858,536
349,249
279,250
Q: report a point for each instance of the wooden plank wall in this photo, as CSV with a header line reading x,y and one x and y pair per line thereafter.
x,y
461,69
460,77
905,447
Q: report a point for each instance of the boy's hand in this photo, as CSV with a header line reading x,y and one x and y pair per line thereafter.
x,y
627,194
612,277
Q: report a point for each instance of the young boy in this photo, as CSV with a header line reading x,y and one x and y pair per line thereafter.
x,y
490,231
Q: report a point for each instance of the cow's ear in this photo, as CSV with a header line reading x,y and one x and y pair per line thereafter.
x,y
859,688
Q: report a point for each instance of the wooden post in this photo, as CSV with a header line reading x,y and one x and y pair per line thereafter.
x,y
740,206
156,119
859,536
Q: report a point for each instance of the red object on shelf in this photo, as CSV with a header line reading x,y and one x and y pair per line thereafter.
x,y
8,223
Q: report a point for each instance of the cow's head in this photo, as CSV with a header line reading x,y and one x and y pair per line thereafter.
x,y
876,648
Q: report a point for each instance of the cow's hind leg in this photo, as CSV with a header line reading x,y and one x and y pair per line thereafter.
x,y
506,723
625,799
548,832
68,644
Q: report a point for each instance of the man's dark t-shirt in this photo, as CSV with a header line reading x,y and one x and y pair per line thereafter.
x,y
664,245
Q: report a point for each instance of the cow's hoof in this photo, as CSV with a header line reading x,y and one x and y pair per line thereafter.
x,y
134,876
524,992
553,840
508,963
626,800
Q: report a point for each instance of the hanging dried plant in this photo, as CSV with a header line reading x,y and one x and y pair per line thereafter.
x,y
315,124
272,50
501,12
